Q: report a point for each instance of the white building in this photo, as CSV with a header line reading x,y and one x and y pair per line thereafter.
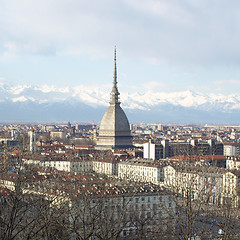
x,y
69,165
58,135
127,210
141,171
156,151
233,163
231,188
32,141
204,184
109,168
231,149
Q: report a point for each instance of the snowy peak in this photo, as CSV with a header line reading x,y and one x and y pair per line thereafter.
x,y
96,97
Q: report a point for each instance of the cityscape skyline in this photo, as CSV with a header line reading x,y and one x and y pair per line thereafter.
x,y
164,161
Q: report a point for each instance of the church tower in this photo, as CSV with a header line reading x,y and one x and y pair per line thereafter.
x,y
114,130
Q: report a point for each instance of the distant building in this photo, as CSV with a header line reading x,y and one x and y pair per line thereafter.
x,y
79,165
212,160
150,204
32,141
156,151
231,188
47,128
233,163
205,184
196,146
8,142
141,171
58,135
114,130
232,149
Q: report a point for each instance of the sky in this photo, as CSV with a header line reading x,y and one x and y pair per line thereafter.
x,y
162,45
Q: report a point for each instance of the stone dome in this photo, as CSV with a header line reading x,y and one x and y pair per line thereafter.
x,y
114,121
114,130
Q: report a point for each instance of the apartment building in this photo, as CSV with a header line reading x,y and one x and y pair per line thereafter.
x,y
233,163
60,163
231,188
232,149
156,151
130,208
105,166
141,171
203,184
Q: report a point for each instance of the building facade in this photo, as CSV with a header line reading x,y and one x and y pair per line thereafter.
x,y
232,149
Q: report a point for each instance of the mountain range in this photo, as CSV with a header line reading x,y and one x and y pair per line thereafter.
x,y
27,103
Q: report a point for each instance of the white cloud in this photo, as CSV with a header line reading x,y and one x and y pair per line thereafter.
x,y
160,31
167,37
154,86
169,10
2,81
230,81
156,61
11,49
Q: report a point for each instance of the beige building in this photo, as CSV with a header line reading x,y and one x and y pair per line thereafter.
x,y
78,164
58,135
200,183
233,163
107,167
133,208
69,165
231,188
141,171
231,149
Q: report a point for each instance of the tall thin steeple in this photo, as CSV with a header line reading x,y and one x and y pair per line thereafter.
x,y
114,94
114,130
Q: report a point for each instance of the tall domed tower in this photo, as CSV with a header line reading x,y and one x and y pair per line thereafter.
x,y
114,130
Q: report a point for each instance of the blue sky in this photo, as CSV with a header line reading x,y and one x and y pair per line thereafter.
x,y
163,45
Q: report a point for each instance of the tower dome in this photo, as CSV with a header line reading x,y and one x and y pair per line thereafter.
x,y
114,130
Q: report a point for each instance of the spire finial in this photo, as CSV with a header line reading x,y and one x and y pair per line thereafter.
x,y
114,93
115,67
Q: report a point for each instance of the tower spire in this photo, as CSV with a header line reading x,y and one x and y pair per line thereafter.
x,y
114,94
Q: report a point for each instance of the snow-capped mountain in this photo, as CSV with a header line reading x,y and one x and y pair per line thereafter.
x,y
87,103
